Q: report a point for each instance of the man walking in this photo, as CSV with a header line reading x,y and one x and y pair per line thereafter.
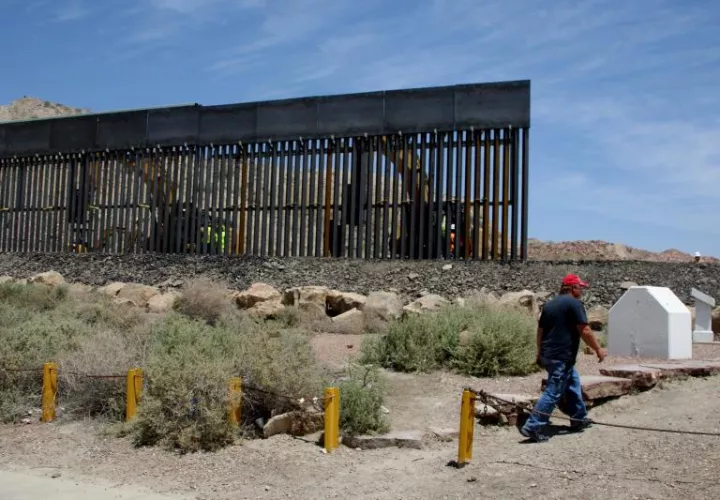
x,y
562,324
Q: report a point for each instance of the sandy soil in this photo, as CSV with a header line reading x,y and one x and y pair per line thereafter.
x,y
602,463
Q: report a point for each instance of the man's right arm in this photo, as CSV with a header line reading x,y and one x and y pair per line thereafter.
x,y
589,338
586,333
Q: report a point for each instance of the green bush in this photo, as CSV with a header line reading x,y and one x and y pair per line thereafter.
x,y
361,400
494,342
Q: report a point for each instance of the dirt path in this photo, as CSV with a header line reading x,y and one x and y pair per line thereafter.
x,y
28,485
599,464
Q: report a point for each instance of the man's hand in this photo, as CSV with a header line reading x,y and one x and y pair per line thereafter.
x,y
601,354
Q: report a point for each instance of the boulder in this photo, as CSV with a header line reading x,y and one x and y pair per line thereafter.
x,y
295,423
481,297
125,303
642,377
49,278
257,293
266,310
598,318
113,289
351,322
309,299
524,300
425,304
385,306
601,387
162,303
342,302
139,294
398,439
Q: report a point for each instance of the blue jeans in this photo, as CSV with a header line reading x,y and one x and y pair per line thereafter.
x,y
563,386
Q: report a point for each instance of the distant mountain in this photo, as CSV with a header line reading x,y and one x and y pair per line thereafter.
x,y
29,108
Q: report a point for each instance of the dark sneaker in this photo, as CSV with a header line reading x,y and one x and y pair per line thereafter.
x,y
535,437
581,425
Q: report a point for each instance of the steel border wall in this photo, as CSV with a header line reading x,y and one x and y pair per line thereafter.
x,y
315,176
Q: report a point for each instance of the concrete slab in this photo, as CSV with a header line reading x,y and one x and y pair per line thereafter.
x,y
695,368
397,439
642,377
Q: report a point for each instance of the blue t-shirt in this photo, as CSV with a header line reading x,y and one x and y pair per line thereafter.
x,y
559,320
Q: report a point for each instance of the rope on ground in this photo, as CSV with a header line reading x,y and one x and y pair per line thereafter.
x,y
670,483
486,397
297,401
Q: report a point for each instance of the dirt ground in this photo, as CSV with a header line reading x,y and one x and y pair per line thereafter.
x,y
602,463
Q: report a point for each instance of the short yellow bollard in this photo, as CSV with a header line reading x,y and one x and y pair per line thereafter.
x,y
49,391
235,409
467,428
332,418
132,392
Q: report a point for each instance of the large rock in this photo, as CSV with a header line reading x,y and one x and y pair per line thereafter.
x,y
162,303
598,318
524,300
642,377
601,387
79,290
398,439
266,310
309,299
295,423
257,293
427,303
342,302
49,278
139,294
351,322
385,306
113,289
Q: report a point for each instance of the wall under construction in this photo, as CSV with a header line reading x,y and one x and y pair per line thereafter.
x,y
424,173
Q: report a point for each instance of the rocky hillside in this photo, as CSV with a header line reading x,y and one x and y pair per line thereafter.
x,y
603,250
28,108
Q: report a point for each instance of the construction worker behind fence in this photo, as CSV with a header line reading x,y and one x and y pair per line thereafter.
x,y
562,324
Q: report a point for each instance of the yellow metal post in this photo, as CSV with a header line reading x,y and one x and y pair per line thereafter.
x,y
467,428
332,418
235,409
49,390
133,392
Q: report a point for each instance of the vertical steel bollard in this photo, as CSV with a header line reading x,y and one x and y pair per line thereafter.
x,y
49,390
133,392
332,418
467,428
235,407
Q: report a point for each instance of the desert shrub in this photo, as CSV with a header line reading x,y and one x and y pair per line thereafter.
x,y
496,341
204,300
40,325
361,400
186,398
419,342
499,343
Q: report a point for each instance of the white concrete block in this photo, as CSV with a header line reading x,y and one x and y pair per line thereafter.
x,y
650,322
704,304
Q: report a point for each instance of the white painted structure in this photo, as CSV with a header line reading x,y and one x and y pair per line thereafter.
x,y
650,322
704,304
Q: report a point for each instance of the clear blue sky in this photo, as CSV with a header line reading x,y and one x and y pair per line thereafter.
x,y
625,138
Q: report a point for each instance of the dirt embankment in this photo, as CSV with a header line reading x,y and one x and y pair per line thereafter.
x,y
408,278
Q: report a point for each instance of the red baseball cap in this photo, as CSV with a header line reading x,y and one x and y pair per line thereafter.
x,y
574,280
